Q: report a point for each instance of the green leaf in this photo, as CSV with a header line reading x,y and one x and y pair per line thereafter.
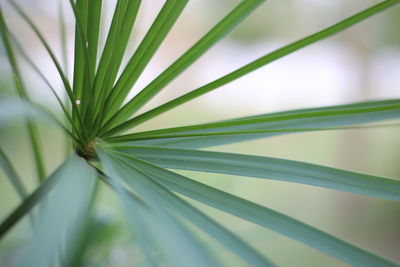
x,y
268,168
26,206
14,178
82,28
33,65
63,37
205,223
161,26
65,204
79,57
198,49
179,244
30,124
144,135
64,79
258,63
272,124
12,109
118,35
263,216
81,231
12,174
62,26
19,83
93,32
131,202
79,69
163,23
87,32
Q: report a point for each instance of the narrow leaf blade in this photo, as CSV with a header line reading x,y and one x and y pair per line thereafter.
x,y
63,206
205,223
263,216
12,174
258,63
268,168
171,234
197,50
330,117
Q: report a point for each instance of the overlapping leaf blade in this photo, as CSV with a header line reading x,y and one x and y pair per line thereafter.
x,y
33,65
72,192
137,222
118,35
21,90
37,196
170,231
12,174
63,37
269,125
81,18
54,59
198,49
79,58
161,26
81,231
189,212
142,136
152,202
12,109
263,216
262,61
269,168
93,31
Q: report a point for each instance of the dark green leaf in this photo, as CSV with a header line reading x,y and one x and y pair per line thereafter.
x,y
12,174
213,36
79,57
118,35
258,63
163,23
272,124
144,135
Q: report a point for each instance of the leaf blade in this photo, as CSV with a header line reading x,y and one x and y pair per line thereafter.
x,y
118,35
33,199
198,49
266,59
193,253
265,217
330,117
12,174
205,223
268,168
20,86
64,79
65,203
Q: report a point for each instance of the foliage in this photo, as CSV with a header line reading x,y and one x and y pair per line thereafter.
x,y
137,166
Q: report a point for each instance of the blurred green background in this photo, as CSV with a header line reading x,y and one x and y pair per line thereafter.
x,y
360,64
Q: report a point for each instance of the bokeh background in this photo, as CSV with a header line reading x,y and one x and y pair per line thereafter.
x,y
362,63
